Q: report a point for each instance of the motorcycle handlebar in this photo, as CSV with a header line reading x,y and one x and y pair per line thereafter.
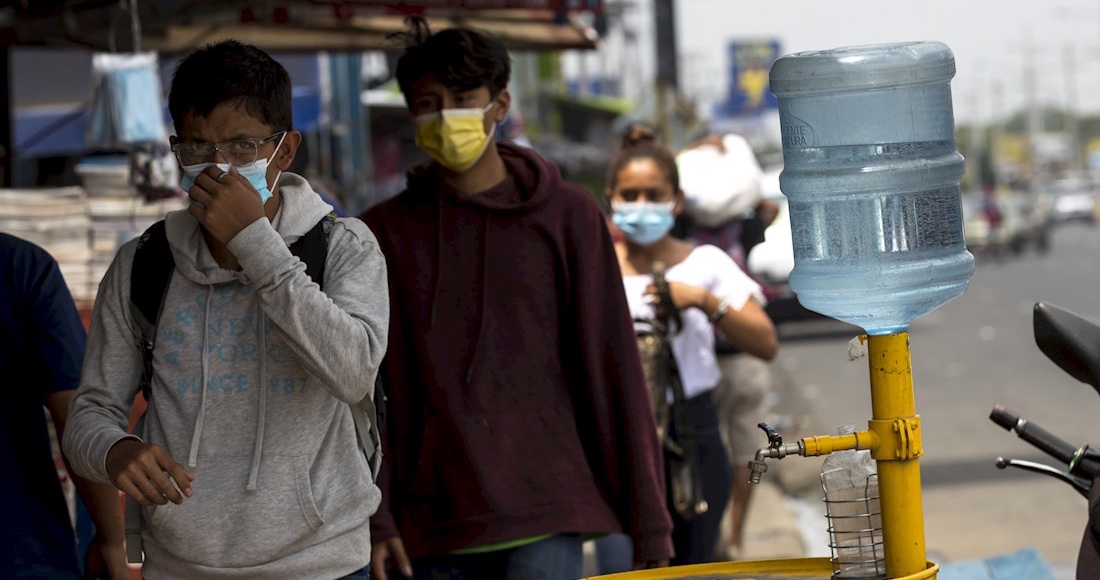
x,y
1046,441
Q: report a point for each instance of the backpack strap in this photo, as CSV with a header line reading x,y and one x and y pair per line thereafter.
x,y
312,248
368,413
153,258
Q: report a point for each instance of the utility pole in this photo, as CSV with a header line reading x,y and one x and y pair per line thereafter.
x,y
350,127
1033,121
996,131
976,140
6,165
1070,71
667,80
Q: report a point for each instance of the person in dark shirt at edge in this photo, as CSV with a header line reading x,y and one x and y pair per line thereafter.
x,y
519,423
43,342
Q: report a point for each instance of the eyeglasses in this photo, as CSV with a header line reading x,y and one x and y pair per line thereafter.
x,y
236,152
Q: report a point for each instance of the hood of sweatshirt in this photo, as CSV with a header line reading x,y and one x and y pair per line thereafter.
x,y
299,210
530,182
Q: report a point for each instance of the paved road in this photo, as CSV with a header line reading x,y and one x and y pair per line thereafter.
x,y
969,355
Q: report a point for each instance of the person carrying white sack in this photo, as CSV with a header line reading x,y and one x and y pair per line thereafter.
x,y
724,207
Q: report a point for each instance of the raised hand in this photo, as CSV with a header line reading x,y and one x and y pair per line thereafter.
x,y
224,202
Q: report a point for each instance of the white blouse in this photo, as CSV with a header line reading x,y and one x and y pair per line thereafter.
x,y
711,268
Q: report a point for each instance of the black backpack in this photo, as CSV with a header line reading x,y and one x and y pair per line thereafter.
x,y
153,260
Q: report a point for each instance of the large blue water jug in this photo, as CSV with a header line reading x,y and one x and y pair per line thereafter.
x,y
872,174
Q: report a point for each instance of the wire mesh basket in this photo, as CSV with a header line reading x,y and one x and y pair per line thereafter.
x,y
855,531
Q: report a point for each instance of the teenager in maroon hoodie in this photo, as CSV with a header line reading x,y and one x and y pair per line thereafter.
x,y
518,424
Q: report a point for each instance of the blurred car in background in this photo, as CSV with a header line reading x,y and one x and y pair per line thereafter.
x,y
770,262
1073,199
1025,223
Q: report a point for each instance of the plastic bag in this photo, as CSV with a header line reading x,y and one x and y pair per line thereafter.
x,y
720,184
127,102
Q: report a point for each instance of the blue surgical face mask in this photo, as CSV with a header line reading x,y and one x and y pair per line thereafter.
x,y
190,172
643,222
255,173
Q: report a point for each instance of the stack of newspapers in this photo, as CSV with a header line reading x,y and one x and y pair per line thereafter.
x,y
82,227
57,220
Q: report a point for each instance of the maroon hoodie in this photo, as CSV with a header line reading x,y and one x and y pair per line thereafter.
x,y
517,404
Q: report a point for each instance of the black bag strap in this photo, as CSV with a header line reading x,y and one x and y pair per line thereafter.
x,y
153,260
683,445
312,248
677,413
666,312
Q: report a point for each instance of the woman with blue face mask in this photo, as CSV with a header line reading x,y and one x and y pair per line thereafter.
x,y
709,289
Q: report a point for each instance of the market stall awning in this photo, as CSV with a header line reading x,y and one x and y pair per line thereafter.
x,y
297,25
519,29
61,129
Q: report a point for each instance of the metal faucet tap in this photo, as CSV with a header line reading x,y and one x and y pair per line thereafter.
x,y
776,449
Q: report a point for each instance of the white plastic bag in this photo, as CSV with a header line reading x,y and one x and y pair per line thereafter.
x,y
718,185
127,104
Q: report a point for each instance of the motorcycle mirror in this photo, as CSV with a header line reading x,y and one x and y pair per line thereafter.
x,y
1070,340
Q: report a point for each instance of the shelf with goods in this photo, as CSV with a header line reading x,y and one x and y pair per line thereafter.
x,y
116,210
57,220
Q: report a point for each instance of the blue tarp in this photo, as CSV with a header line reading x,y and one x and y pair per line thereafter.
x,y
60,131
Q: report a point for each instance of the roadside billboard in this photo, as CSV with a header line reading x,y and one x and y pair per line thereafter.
x,y
748,93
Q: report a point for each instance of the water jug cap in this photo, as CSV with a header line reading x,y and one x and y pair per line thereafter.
x,y
856,68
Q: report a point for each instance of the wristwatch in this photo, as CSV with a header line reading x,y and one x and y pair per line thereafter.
x,y
723,308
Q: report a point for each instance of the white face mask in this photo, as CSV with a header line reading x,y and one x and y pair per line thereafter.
x,y
255,173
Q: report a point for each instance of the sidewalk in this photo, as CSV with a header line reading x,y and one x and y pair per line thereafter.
x,y
777,528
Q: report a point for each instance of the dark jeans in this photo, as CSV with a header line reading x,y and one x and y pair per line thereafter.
x,y
555,558
695,540
614,554
361,574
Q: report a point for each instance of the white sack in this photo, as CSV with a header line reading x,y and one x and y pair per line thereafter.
x,y
719,185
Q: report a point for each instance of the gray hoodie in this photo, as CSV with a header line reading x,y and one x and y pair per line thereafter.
x,y
281,489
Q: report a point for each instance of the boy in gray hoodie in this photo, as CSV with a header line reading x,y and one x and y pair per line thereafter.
x,y
247,464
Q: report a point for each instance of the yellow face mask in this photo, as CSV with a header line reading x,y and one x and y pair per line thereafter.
x,y
456,138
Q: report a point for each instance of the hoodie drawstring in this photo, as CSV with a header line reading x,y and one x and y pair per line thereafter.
x,y
261,418
196,437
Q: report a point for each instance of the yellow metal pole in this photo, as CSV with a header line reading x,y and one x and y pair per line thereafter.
x,y
893,408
